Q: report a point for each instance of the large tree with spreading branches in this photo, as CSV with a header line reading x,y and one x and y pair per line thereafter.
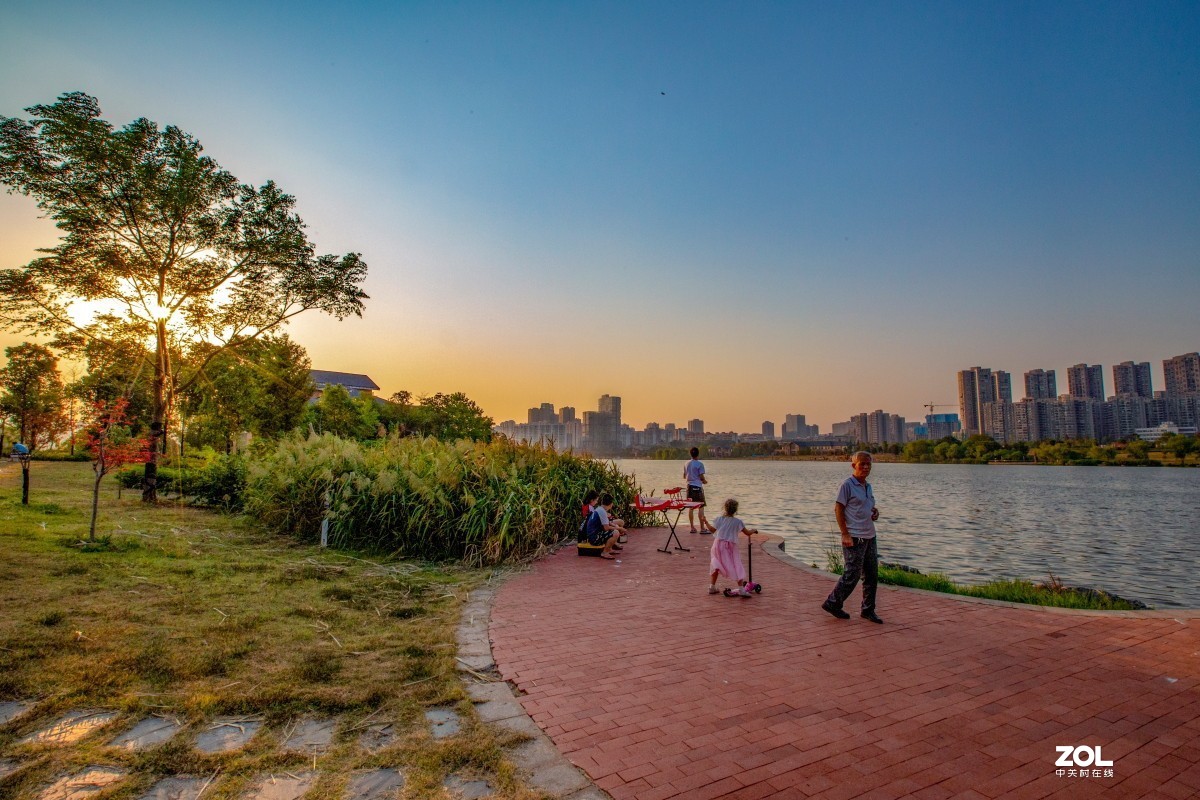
x,y
165,239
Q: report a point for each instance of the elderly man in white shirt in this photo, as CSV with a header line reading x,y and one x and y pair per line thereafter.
x,y
856,512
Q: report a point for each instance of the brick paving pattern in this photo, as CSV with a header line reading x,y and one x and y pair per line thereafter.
x,y
657,689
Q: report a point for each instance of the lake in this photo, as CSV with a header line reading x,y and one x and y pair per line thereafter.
x,y
1128,530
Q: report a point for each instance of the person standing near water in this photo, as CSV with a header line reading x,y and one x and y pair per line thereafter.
x,y
693,473
856,513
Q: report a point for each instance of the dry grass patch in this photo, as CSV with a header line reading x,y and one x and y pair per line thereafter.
x,y
190,613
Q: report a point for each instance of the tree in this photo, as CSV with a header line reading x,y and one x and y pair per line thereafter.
x,y
160,231
338,413
111,446
1177,444
448,417
32,397
456,416
262,388
1138,449
980,446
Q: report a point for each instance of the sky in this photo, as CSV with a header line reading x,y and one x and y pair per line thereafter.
x,y
725,211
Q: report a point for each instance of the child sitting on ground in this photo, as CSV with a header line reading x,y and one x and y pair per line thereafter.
x,y
726,560
589,504
601,530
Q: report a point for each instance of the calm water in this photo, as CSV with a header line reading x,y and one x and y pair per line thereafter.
x,y
1132,531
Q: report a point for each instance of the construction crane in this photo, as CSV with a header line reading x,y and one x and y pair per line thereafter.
x,y
931,406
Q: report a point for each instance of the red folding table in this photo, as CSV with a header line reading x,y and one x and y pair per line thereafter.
x,y
671,501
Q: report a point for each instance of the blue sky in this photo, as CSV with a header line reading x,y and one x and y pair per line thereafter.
x,y
725,211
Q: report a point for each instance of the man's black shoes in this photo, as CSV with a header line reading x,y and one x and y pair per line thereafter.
x,y
871,616
832,609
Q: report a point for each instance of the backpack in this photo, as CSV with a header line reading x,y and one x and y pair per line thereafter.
x,y
581,535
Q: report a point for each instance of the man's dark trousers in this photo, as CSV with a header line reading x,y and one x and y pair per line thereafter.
x,y
861,561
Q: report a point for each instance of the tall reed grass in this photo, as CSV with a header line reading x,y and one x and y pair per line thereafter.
x,y
482,503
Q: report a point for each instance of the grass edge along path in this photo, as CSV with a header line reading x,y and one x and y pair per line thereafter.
x,y
194,614
1053,593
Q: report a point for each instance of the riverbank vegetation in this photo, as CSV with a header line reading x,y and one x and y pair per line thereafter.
x,y
1049,593
1170,450
194,614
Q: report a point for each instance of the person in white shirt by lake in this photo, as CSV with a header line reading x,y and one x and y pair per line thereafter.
x,y
693,473
856,512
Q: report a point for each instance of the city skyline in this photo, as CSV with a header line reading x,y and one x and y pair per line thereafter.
x,y
1044,380
715,211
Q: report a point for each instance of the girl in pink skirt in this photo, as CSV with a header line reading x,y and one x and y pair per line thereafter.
x,y
726,560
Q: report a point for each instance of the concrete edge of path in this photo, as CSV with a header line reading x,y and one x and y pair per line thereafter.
x,y
497,704
773,546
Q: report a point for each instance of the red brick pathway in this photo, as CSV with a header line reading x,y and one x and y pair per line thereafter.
x,y
657,689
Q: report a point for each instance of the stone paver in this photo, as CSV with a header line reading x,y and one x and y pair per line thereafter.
x,y
91,781
375,784
180,787
444,722
377,737
310,736
291,786
467,789
705,697
227,733
147,733
71,727
12,709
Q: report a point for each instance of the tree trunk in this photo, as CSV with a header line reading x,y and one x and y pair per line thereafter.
x,y
158,414
95,506
25,481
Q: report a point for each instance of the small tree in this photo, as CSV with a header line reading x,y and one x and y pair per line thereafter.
x,y
338,413
1178,445
263,389
111,446
33,399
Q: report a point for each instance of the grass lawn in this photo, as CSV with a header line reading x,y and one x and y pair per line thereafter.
x,y
194,614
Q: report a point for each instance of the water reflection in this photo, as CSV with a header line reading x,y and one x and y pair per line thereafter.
x,y
1130,530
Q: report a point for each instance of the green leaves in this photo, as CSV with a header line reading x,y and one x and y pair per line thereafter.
x,y
157,229
483,503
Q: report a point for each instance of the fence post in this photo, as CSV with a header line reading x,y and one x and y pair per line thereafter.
x,y
325,523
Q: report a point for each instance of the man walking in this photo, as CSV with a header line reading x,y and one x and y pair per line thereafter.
x,y
856,514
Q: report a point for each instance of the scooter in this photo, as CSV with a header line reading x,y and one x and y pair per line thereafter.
x,y
751,586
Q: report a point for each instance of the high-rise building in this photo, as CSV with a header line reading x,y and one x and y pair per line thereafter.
x,y
612,406
876,427
566,414
939,426
1040,384
794,426
997,419
543,414
1182,374
768,430
695,426
602,431
1003,383
1086,380
843,428
977,386
1132,379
